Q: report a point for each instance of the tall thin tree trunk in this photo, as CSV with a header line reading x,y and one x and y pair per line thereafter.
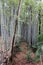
x,y
39,17
31,25
16,23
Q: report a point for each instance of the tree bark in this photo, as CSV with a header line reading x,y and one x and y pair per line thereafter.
x,y
31,24
16,23
39,17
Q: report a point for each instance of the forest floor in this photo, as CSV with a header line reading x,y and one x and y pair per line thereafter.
x,y
20,57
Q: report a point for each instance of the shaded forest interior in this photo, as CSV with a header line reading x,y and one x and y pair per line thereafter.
x,y
21,32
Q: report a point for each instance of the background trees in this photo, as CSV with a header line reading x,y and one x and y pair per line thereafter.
x,y
20,21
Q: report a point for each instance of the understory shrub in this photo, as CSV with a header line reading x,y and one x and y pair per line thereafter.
x,y
16,49
37,48
28,56
36,58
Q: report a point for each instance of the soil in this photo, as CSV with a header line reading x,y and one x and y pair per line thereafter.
x,y
20,57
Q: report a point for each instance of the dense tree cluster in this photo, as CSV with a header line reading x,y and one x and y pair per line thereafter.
x,y
20,20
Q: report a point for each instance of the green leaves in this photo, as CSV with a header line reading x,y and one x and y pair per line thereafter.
x,y
30,2
13,1
37,57
40,38
25,9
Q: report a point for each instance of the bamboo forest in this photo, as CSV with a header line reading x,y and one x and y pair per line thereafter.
x,y
21,32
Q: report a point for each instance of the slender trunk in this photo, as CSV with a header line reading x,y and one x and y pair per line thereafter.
x,y
31,25
16,23
39,22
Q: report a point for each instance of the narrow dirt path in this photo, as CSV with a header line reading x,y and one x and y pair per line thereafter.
x,y
20,57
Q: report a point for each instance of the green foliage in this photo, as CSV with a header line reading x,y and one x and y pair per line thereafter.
x,y
37,56
13,3
30,2
39,47
40,5
28,56
40,38
26,10
16,49
27,6
39,42
19,45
